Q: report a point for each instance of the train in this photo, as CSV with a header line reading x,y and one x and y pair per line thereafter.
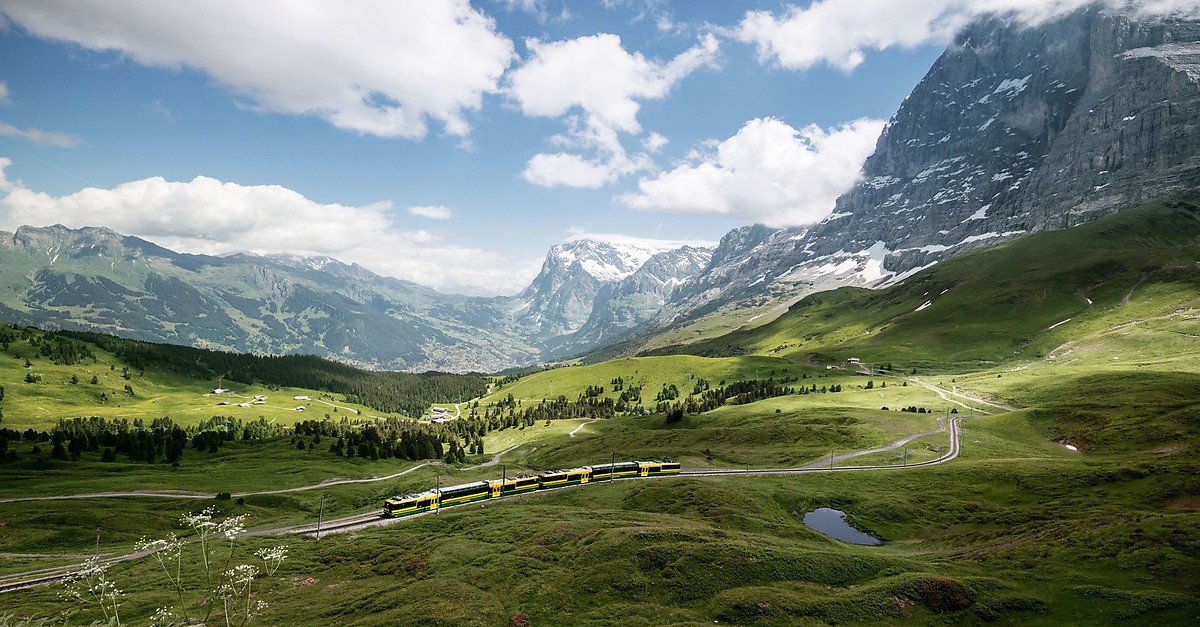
x,y
449,496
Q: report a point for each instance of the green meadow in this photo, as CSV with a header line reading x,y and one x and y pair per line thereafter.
x,y
1019,529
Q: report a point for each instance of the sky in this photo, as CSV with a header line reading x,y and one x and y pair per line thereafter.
x,y
452,142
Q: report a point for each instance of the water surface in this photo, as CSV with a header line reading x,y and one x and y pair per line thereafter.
x,y
832,523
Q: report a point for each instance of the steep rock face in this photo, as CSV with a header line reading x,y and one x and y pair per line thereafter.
x,y
635,299
1020,129
560,299
1015,129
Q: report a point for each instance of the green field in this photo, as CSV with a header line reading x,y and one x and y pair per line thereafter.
x,y
1019,529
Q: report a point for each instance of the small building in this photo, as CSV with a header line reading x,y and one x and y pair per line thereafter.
x,y
440,421
220,391
243,404
439,410
300,408
301,398
261,397
853,360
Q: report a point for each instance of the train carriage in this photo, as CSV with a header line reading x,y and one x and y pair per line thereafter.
x,y
650,469
464,493
400,506
512,485
619,470
559,478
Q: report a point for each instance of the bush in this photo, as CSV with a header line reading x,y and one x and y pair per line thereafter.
x,y
224,496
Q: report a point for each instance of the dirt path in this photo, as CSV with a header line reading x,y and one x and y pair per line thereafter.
x,y
495,459
946,394
582,425
829,461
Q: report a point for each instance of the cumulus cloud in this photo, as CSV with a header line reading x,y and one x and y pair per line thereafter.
x,y
208,216
596,87
376,67
840,32
434,212
768,172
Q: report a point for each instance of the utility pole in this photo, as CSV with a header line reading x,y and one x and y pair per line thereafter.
x,y
747,461
97,541
612,466
437,494
905,454
831,460
320,515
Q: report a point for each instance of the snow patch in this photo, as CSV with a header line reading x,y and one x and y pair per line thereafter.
x,y
979,215
1012,86
923,305
1056,324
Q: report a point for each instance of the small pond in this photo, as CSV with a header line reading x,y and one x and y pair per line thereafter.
x,y
832,523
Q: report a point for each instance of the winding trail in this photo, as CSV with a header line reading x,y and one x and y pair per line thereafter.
x,y
946,394
825,462
582,425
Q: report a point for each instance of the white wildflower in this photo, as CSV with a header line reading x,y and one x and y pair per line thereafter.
x,y
272,557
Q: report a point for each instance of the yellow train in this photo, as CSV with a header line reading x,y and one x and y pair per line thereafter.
x,y
449,496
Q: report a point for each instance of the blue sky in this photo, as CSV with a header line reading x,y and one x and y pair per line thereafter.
x,y
446,142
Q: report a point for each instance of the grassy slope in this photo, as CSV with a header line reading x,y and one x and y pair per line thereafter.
x,y
156,394
1002,303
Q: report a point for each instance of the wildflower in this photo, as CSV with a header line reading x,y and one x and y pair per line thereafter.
x,y
91,582
232,527
273,557
162,617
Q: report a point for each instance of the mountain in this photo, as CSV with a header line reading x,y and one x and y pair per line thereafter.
x,y
1093,294
621,305
1013,130
95,279
559,300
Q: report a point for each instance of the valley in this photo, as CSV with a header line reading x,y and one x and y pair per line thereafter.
x,y
998,532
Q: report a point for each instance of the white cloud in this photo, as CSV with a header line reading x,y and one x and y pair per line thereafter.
x,y
207,216
654,142
839,32
564,169
39,136
596,77
372,66
432,212
768,172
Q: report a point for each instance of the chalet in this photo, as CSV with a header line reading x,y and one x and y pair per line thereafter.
x,y
301,398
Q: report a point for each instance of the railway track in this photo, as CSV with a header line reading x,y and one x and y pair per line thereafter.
x,y
373,519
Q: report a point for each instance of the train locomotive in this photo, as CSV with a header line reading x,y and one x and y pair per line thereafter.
x,y
449,496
